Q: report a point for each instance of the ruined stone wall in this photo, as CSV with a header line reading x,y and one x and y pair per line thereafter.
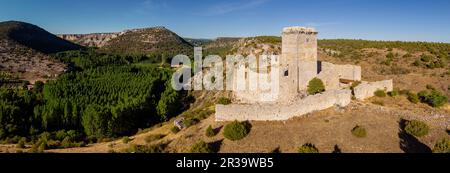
x,y
331,74
367,89
280,112
255,86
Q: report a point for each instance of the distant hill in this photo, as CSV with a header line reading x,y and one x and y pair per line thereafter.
x,y
24,50
198,41
149,40
34,37
220,46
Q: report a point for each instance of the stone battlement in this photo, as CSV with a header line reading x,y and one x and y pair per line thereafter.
x,y
299,29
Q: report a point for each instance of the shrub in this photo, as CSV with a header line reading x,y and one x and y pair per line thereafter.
x,y
21,143
416,128
126,139
210,132
430,87
201,147
413,98
42,146
390,55
145,149
66,143
380,93
224,101
442,146
79,144
433,98
151,138
407,55
60,135
175,130
45,136
158,148
417,63
315,86
308,148
188,122
236,130
426,58
359,131
394,93
52,144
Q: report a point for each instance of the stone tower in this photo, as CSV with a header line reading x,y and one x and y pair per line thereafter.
x,y
298,63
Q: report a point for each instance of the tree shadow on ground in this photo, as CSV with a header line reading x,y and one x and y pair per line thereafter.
x,y
275,150
337,149
217,130
409,143
448,131
216,145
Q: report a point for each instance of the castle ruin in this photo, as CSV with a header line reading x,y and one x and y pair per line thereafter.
x,y
297,66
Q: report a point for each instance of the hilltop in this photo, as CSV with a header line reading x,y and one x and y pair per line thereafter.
x,y
34,37
153,40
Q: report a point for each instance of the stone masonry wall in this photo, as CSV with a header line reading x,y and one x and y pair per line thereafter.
x,y
332,73
367,89
279,112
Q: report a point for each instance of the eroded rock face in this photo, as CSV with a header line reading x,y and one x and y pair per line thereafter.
x,y
91,40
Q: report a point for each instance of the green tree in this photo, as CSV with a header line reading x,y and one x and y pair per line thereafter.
x,y
201,147
416,128
442,146
236,130
308,148
210,131
315,86
95,121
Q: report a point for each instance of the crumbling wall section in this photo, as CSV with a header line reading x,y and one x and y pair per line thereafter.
x,y
367,89
281,112
331,74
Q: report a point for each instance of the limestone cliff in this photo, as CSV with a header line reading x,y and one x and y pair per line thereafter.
x,y
90,40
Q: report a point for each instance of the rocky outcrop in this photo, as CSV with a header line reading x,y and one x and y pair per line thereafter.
x,y
90,40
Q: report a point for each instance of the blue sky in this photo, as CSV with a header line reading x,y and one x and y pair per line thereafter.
x,y
409,20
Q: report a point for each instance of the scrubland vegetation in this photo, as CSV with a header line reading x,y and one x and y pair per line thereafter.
x,y
104,96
